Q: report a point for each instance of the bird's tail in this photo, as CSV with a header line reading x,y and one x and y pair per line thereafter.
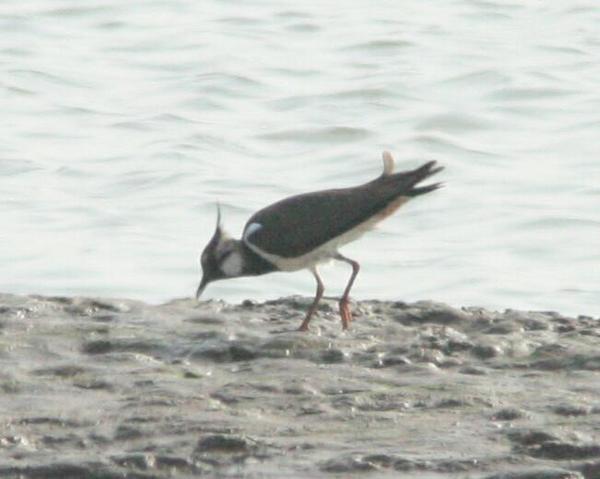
x,y
407,181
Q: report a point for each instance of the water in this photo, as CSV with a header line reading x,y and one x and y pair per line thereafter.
x,y
123,123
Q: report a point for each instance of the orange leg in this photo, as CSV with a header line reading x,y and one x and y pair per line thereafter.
x,y
345,312
315,304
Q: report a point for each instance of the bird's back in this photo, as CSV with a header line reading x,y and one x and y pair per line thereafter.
x,y
299,224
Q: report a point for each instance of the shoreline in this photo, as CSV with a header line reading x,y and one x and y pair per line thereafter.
x,y
121,388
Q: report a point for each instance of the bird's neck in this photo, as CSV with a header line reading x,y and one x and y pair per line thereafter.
x,y
252,263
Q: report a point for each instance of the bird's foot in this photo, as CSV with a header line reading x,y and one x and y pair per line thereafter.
x,y
303,327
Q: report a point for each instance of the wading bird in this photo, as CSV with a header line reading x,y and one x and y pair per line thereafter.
x,y
302,231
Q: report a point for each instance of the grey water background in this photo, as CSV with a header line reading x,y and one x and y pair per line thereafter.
x,y
122,123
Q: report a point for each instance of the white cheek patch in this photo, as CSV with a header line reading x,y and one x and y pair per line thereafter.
x,y
252,228
232,265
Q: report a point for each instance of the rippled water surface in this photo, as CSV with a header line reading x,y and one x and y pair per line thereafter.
x,y
123,122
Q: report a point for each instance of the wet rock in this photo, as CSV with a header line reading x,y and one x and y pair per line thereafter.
x,y
504,327
540,444
462,465
590,470
457,344
62,371
536,325
568,361
572,410
226,352
531,320
248,303
58,299
451,363
88,307
101,346
446,339
52,421
295,302
301,389
528,437
452,403
14,440
394,360
177,464
486,351
549,350
381,460
332,356
538,474
128,433
339,391
508,414
430,312
227,398
99,439
63,440
432,356
225,444
138,461
141,346
381,402
293,345
94,384
405,465
214,335
348,464
207,318
473,371
558,450
565,328
105,318
242,352
192,374
61,470
313,410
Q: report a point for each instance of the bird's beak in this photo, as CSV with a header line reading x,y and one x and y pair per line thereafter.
x,y
201,287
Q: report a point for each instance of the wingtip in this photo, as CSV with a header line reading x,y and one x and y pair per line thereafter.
x,y
427,188
431,168
433,171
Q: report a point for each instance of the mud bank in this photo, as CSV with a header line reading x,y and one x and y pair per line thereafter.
x,y
101,388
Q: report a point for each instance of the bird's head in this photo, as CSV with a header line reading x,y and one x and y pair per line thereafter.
x,y
220,259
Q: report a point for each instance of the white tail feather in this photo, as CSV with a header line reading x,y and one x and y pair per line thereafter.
x,y
388,163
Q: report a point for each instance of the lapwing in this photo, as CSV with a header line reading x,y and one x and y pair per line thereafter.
x,y
302,231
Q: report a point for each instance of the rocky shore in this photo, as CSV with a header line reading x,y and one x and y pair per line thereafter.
x,y
98,388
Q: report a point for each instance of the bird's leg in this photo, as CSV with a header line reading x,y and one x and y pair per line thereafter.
x,y
313,306
344,300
